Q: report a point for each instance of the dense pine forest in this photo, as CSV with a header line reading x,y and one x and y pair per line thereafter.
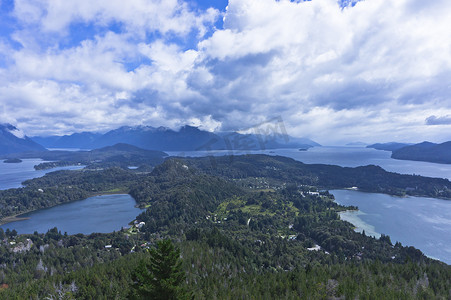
x,y
247,227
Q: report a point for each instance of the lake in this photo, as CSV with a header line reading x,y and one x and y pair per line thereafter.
x,y
12,175
421,222
345,157
103,214
424,223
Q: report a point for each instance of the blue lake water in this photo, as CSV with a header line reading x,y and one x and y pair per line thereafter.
x,y
420,222
12,175
105,213
424,223
357,156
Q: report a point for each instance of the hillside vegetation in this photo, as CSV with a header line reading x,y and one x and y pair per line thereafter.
x,y
247,227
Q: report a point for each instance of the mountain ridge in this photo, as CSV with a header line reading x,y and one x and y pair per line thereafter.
x,y
187,138
13,140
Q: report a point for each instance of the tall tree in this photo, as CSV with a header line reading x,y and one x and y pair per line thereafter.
x,y
160,276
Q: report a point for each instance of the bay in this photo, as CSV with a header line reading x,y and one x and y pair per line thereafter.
x,y
105,213
424,223
13,174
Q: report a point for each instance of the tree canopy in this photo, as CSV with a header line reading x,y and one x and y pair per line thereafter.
x,y
161,274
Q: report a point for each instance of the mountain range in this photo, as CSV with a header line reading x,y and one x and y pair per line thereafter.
x,y
188,138
13,140
81,140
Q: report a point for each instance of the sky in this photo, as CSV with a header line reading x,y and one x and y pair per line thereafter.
x,y
333,71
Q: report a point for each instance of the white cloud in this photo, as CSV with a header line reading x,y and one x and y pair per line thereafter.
x,y
378,54
138,16
92,61
204,123
374,71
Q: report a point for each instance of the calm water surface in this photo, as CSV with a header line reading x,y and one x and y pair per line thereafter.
x,y
421,222
357,156
424,223
105,213
12,175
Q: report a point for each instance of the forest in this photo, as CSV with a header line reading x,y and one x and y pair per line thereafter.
x,y
369,178
251,227
119,155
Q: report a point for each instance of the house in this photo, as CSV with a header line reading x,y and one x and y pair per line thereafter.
x,y
140,225
23,246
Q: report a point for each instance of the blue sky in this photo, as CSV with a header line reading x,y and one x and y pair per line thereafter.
x,y
372,70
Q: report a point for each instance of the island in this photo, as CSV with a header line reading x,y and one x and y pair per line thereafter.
x,y
12,161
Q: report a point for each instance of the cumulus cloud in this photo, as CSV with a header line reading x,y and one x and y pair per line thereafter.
x,y
371,70
139,16
434,120
297,57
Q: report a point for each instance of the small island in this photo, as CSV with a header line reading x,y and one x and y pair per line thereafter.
x,y
12,161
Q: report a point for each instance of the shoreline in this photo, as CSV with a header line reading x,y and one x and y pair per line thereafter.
x,y
393,195
357,219
360,225
14,218
353,217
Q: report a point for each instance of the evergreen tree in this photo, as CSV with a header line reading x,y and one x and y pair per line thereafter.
x,y
161,275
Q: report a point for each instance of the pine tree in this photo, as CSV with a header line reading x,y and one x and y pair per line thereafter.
x,y
160,276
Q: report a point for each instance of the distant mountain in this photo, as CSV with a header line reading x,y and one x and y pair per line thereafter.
x,y
425,151
356,144
237,141
46,141
304,141
82,140
188,138
161,138
13,140
392,146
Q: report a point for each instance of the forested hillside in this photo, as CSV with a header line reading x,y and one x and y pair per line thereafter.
x,y
248,227
281,169
426,151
